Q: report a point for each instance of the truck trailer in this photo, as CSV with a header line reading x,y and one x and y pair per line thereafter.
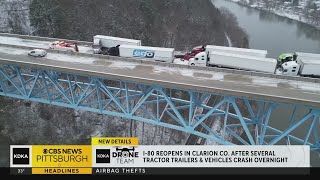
x,y
308,56
209,48
146,52
102,43
309,67
234,50
244,62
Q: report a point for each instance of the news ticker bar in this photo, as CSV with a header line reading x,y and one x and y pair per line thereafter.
x,y
122,153
166,171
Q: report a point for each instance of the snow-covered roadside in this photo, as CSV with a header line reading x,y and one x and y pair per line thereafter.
x,y
14,16
229,40
282,11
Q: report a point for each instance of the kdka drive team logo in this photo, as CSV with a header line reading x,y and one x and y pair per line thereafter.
x,y
118,155
125,155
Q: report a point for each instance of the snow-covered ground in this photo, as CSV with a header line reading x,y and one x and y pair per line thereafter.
x,y
300,12
14,16
24,42
229,40
181,61
122,64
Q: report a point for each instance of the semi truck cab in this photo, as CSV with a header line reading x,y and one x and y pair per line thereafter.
x,y
290,68
96,46
201,59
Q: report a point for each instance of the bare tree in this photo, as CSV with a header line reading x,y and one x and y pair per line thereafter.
x,y
45,16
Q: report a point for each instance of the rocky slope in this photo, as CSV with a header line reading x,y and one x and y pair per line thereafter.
x,y
14,16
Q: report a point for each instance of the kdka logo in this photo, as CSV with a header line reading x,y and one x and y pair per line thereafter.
x,y
102,155
20,156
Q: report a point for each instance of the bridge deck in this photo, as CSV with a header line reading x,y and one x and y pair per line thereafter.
x,y
279,90
33,43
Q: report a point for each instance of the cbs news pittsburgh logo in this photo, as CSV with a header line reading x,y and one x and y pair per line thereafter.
x,y
20,156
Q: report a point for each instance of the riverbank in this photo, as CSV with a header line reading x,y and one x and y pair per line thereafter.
x,y
292,12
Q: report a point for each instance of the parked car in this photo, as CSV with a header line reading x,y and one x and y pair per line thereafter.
x,y
37,53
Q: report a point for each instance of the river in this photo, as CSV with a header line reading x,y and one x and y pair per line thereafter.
x,y
277,35
272,32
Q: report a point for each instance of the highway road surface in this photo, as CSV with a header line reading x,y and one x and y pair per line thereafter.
x,y
44,44
279,90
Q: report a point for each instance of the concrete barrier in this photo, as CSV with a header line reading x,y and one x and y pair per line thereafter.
x,y
39,38
143,61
